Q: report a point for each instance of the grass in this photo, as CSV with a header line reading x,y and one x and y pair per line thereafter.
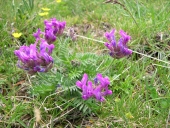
x,y
140,85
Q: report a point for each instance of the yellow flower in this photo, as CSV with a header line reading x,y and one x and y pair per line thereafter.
x,y
16,35
43,13
58,1
45,9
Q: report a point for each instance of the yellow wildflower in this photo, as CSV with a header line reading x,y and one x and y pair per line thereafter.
x,y
43,13
16,35
45,9
58,1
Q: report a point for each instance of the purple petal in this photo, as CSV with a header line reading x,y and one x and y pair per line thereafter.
x,y
124,37
37,34
50,48
33,52
79,84
109,46
108,92
98,95
90,88
49,36
84,79
111,37
47,58
103,81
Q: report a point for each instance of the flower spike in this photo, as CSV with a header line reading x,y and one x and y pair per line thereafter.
x,y
33,60
120,49
97,90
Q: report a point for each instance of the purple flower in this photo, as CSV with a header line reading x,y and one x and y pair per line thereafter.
x,y
98,94
120,49
37,34
104,81
83,81
49,36
97,90
87,90
53,28
34,60
102,89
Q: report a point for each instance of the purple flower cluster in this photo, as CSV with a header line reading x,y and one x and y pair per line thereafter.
x,y
53,28
36,58
120,49
98,90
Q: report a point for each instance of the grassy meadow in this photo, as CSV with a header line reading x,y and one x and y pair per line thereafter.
x,y
140,82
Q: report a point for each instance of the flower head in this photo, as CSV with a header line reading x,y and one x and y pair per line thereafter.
x,y
16,35
34,60
98,90
120,49
37,57
53,28
56,26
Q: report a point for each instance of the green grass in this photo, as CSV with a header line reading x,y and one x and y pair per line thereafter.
x,y
141,88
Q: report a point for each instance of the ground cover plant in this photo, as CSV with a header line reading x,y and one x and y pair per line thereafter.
x,y
88,63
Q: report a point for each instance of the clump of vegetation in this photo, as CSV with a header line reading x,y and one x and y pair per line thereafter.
x,y
66,78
